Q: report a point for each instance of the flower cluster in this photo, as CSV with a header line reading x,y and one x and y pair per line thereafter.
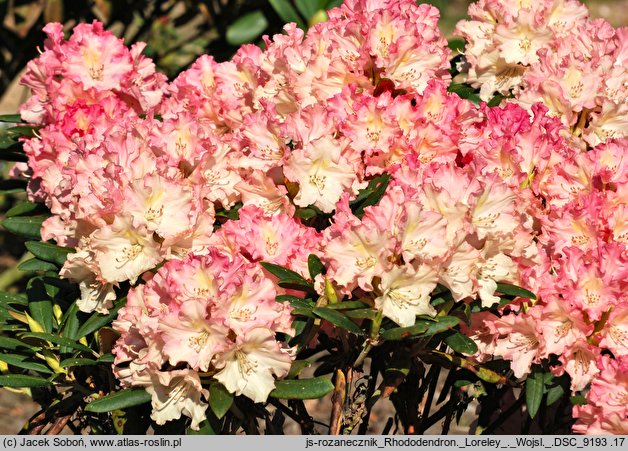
x,y
179,190
551,52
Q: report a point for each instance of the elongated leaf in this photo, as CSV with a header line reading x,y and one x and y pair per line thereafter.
x,y
313,388
21,361
337,319
23,208
13,344
106,358
35,265
119,400
399,333
554,394
461,343
296,368
13,118
368,313
288,14
288,278
11,298
247,28
77,362
220,399
23,130
309,7
49,252
535,386
464,92
315,266
347,305
371,195
20,380
205,428
513,290
26,226
441,324
57,340
39,304
97,320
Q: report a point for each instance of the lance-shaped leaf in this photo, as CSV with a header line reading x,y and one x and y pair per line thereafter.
x,y
461,343
220,399
49,252
513,290
119,400
26,226
288,278
20,381
247,28
338,319
313,388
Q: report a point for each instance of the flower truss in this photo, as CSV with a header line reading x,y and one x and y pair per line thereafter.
x,y
142,174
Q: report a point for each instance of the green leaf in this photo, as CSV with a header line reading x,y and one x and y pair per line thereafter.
x,y
296,368
287,13
205,428
97,320
247,28
338,319
288,278
554,394
441,324
16,345
19,380
74,361
535,384
306,213
315,266
57,340
578,400
313,388
368,313
39,304
347,305
456,44
49,252
370,195
119,400
20,361
513,290
308,7
495,101
11,298
26,226
23,130
464,91
106,358
22,208
70,323
461,343
220,399
13,118
399,333
35,265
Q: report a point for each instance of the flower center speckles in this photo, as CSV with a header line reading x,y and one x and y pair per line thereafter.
x,y
318,181
271,246
213,178
245,365
268,153
180,146
154,213
591,298
525,44
199,341
418,243
177,393
562,330
619,336
579,240
129,253
270,206
96,72
576,90
244,313
372,135
365,262
622,237
487,220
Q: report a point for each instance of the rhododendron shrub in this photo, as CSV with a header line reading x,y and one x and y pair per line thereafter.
x,y
328,201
